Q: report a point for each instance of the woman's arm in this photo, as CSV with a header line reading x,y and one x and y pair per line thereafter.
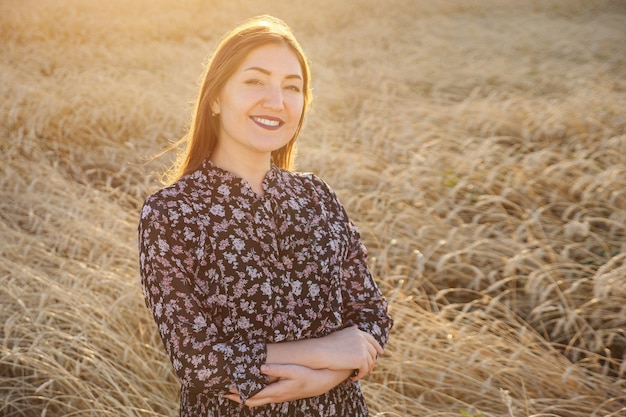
x,y
201,357
347,349
292,382
363,303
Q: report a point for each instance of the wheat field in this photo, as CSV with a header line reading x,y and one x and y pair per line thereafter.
x,y
479,145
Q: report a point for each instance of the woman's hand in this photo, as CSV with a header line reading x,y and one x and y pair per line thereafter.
x,y
351,348
292,382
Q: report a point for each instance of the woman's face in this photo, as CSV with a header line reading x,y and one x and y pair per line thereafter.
x,y
261,104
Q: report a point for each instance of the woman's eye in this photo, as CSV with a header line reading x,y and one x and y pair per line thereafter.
x,y
294,88
253,82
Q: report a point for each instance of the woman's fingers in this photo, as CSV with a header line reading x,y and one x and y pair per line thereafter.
x,y
352,348
233,395
373,350
276,370
373,342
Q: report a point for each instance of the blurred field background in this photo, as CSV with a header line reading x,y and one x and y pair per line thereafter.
x,y
479,146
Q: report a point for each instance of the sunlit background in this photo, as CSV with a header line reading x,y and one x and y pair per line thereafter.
x,y
478,145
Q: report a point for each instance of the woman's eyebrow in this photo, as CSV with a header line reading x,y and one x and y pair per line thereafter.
x,y
267,72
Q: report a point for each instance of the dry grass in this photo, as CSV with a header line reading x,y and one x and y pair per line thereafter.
x,y
479,145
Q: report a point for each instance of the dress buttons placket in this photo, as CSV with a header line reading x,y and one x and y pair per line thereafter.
x,y
266,218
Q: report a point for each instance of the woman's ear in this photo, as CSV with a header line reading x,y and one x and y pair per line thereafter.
x,y
215,107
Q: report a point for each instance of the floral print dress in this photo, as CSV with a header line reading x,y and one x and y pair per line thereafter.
x,y
226,271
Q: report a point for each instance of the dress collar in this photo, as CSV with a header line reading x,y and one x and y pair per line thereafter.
x,y
271,183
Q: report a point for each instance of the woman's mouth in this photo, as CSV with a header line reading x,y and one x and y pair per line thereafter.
x,y
271,123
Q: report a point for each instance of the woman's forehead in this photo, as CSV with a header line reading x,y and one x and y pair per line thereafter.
x,y
272,58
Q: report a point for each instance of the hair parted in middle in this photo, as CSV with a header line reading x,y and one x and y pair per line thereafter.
x,y
230,52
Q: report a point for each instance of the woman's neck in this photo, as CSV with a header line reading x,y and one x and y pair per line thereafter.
x,y
252,168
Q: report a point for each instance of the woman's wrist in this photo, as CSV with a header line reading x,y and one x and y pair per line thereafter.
x,y
307,352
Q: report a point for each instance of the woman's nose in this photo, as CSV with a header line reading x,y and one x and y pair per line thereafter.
x,y
274,98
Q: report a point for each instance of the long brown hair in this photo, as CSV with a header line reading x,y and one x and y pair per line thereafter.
x,y
228,55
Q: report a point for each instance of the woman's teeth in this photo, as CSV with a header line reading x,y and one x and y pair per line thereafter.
x,y
266,122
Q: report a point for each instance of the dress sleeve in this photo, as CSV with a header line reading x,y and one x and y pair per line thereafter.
x,y
202,358
363,303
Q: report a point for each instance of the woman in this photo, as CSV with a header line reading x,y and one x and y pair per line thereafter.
x,y
256,278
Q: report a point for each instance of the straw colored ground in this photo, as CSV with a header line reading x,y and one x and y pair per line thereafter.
x,y
479,146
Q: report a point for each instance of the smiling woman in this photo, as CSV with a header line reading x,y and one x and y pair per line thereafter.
x,y
256,277
465,139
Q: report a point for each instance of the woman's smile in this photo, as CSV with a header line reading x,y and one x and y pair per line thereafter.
x,y
268,122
